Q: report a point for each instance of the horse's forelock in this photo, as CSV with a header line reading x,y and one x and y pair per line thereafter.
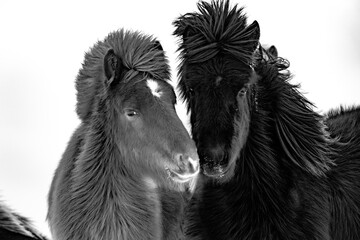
x,y
217,28
140,54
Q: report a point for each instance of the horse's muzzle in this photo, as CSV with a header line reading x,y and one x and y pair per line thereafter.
x,y
187,170
214,161
214,171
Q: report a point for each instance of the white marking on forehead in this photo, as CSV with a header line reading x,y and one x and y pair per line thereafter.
x,y
154,87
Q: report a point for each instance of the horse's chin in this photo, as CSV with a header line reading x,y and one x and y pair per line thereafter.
x,y
221,172
185,182
217,171
182,177
183,172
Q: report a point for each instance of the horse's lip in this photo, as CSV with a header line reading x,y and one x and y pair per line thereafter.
x,y
182,177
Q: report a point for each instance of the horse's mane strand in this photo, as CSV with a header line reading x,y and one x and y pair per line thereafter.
x,y
139,54
300,130
216,29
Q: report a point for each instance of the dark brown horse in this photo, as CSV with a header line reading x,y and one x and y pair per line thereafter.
x,y
130,166
272,167
16,227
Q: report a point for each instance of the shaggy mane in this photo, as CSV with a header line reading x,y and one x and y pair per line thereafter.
x,y
216,29
138,53
292,174
300,130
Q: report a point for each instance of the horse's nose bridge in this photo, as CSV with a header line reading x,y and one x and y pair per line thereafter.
x,y
186,151
181,142
181,146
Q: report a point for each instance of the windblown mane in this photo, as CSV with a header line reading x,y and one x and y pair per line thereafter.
x,y
215,29
300,130
133,48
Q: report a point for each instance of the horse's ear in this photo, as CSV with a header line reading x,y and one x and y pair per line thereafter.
x,y
253,30
112,67
157,45
188,32
183,28
273,51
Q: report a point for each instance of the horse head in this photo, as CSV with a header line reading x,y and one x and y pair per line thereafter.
x,y
135,102
217,49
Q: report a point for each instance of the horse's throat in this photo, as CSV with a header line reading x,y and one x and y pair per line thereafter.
x,y
152,193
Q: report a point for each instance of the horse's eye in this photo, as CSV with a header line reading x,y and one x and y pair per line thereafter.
x,y
131,113
191,91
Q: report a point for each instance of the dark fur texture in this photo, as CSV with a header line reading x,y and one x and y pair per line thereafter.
x,y
215,46
16,227
344,123
271,169
128,168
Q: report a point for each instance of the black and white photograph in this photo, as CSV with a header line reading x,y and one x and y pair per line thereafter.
x,y
174,120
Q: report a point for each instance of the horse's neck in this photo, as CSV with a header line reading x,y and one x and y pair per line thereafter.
x,y
99,159
152,192
258,167
125,203
266,167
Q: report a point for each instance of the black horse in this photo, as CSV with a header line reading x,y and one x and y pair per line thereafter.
x,y
16,227
272,167
131,165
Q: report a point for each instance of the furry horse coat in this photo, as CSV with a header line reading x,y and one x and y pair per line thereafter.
x,y
272,167
16,227
130,166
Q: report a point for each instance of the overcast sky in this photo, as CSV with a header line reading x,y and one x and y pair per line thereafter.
x,y
42,46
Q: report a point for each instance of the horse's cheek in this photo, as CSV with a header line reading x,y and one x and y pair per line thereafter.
x,y
139,128
135,126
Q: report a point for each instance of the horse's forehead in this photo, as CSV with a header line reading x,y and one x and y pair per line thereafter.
x,y
155,88
217,82
142,92
218,71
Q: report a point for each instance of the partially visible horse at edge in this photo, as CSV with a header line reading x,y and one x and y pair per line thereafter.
x,y
16,227
131,165
272,168
344,123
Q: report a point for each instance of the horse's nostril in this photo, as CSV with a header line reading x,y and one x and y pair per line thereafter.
x,y
187,170
186,163
178,158
194,165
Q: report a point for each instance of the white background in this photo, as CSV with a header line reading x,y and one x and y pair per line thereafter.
x,y
42,45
